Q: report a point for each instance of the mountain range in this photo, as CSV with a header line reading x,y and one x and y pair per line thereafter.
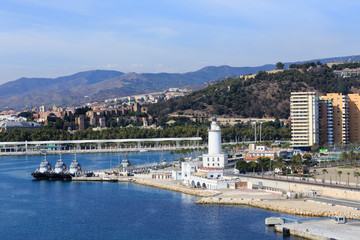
x,y
98,85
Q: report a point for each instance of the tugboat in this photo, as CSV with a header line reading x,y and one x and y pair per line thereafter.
x,y
75,168
60,172
125,162
44,171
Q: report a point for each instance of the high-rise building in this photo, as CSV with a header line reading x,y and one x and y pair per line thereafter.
x,y
340,104
327,120
304,112
354,117
326,123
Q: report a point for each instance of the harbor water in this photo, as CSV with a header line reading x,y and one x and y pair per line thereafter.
x,y
106,210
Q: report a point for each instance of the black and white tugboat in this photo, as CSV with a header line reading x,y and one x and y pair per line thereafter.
x,y
60,172
43,172
75,168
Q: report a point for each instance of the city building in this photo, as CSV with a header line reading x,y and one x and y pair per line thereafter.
x,y
9,126
304,112
340,117
326,120
263,151
326,123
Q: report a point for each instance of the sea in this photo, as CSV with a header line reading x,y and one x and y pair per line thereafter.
x,y
107,210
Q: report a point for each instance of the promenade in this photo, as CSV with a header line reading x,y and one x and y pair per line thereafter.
x,y
98,146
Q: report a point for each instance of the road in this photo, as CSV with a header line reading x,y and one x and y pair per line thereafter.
x,y
337,201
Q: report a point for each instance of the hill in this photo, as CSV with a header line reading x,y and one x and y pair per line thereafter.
x,y
265,95
99,85
102,84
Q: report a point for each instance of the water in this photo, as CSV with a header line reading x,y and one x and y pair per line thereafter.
x,y
96,210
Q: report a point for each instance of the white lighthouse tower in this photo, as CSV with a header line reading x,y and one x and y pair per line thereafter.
x,y
215,157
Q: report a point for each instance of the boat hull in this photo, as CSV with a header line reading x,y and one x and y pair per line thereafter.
x,y
51,176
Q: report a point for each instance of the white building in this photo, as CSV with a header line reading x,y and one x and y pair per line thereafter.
x,y
304,111
215,157
187,168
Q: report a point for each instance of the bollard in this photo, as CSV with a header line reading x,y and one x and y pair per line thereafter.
x,y
286,232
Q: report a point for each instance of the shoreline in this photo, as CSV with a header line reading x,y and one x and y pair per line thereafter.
x,y
304,207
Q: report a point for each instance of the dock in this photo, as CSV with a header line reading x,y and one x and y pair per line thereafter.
x,y
321,230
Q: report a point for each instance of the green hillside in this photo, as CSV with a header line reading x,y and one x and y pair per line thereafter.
x,y
265,95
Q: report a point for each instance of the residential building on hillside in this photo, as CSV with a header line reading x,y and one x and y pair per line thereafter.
x,y
347,72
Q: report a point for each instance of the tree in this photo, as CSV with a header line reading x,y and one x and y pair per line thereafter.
x,y
254,166
357,175
352,156
280,164
339,173
324,171
264,163
280,65
314,172
242,166
296,163
348,173
344,156
315,148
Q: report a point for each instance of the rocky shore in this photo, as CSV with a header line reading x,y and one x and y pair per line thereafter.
x,y
253,199
294,207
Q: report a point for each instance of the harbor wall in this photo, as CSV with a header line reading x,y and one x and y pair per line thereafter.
x,y
304,189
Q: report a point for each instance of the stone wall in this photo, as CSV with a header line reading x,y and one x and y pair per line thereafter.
x,y
329,191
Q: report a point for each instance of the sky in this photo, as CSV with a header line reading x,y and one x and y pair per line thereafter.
x,y
42,38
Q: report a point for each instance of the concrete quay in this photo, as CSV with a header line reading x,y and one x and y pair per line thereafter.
x,y
322,230
274,201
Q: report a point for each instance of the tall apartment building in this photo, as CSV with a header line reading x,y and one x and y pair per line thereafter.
x,y
340,126
304,112
354,117
326,120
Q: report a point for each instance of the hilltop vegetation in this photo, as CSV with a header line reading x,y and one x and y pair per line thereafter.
x,y
265,95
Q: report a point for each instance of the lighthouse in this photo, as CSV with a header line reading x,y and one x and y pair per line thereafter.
x,y
215,158
214,144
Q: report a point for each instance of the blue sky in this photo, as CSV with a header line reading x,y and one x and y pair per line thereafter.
x,y
42,38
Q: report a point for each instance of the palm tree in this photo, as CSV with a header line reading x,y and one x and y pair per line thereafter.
x,y
352,156
324,171
314,172
348,173
296,163
253,166
339,173
344,156
280,164
357,175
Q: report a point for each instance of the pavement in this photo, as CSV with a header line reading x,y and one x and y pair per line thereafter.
x,y
337,201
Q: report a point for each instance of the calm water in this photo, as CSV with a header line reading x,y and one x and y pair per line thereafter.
x,y
95,210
